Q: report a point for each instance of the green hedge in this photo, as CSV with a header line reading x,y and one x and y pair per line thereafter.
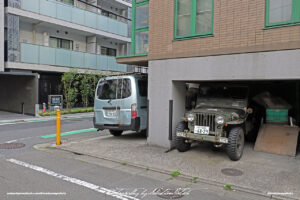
x,y
71,111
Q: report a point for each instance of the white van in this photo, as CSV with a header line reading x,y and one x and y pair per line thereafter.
x,y
121,104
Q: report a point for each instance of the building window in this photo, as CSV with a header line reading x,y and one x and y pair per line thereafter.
x,y
140,27
60,43
193,18
67,1
108,51
141,42
282,12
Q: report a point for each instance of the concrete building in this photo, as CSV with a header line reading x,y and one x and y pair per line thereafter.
x,y
41,39
182,41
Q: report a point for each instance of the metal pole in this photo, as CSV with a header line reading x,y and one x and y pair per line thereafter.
x,y
23,108
58,142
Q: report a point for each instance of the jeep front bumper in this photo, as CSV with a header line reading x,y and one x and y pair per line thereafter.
x,y
200,137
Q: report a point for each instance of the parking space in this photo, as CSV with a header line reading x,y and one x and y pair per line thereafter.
x,y
272,103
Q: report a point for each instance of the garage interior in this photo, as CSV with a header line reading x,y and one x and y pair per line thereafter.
x,y
276,137
19,92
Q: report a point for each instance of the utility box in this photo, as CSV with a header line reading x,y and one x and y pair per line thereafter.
x,y
55,102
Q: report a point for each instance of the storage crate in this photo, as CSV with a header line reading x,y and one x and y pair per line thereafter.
x,y
277,115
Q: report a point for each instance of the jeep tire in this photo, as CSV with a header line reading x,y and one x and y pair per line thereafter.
x,y
180,143
116,132
236,142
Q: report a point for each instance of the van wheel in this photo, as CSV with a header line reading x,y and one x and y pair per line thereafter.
x,y
180,143
236,141
116,133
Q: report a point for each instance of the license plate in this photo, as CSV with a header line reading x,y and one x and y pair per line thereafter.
x,y
111,113
223,140
180,134
203,130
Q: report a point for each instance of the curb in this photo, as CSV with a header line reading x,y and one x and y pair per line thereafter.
x,y
183,177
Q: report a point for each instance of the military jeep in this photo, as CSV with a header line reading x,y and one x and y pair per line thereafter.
x,y
219,116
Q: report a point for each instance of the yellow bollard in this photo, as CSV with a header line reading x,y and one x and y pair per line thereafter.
x,y
58,127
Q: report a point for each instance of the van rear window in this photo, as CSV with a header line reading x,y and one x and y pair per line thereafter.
x,y
114,89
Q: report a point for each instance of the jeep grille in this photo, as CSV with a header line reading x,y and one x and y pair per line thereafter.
x,y
206,120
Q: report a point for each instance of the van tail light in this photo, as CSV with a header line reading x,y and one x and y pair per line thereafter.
x,y
133,111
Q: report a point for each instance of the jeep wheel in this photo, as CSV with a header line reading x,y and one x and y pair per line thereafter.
x,y
180,143
236,141
116,133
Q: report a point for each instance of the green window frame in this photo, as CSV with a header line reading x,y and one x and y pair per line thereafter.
x,y
139,34
193,22
294,15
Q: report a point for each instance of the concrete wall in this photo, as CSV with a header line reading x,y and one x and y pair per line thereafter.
x,y
167,77
1,35
15,90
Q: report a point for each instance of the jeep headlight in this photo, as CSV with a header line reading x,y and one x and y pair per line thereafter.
x,y
220,120
190,117
234,116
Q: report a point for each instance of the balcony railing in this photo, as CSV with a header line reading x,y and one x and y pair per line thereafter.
x,y
76,15
44,55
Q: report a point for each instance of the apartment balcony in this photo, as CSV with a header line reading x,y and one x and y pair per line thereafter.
x,y
69,13
43,55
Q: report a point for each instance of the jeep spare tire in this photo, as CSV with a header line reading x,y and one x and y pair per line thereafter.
x,y
116,132
180,143
236,142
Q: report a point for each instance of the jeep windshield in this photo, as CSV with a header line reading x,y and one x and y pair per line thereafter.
x,y
222,97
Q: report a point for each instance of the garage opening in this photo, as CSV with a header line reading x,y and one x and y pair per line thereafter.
x,y
270,113
19,93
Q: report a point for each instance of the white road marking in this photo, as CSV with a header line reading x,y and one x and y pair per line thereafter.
x,y
21,139
11,141
76,181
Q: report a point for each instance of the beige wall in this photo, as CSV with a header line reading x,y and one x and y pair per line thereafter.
x,y
238,28
26,35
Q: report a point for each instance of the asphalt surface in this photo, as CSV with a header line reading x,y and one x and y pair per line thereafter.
x,y
28,173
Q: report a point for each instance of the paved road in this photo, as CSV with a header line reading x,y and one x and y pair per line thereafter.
x,y
27,173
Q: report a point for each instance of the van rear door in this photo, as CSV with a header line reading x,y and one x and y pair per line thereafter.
x,y
110,102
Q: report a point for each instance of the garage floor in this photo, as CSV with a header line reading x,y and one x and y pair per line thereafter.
x,y
257,171
12,116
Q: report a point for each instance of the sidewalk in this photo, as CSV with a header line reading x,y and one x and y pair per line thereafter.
x,y
7,117
261,173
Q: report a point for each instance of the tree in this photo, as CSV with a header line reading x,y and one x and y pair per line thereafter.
x,y
86,88
70,87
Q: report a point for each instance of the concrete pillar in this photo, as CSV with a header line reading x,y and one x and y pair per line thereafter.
x,y
1,35
159,94
122,50
33,33
46,39
91,44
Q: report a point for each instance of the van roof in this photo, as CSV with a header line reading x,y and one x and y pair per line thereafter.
x,y
126,75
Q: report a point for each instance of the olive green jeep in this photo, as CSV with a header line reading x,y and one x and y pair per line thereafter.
x,y
219,116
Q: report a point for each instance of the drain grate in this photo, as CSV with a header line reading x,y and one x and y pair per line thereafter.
x,y
232,172
169,193
12,145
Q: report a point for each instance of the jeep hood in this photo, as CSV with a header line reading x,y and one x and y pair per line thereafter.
x,y
219,103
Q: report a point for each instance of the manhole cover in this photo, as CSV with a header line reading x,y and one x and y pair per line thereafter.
x,y
170,193
12,145
231,172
